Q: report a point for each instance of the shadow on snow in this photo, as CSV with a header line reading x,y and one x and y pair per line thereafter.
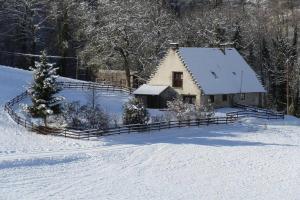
x,y
215,135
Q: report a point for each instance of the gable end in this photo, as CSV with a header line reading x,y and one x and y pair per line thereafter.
x,y
189,71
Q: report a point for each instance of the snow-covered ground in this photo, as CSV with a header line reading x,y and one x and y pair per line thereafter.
x,y
252,159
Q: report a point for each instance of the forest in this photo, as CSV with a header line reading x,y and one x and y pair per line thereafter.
x,y
85,35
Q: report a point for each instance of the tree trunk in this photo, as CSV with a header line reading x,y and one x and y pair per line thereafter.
x,y
45,121
126,66
127,72
287,90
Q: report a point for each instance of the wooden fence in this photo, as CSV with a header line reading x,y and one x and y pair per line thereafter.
x,y
251,111
87,134
8,107
96,86
134,128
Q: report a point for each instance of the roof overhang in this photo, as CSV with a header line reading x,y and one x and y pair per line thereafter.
x,y
153,90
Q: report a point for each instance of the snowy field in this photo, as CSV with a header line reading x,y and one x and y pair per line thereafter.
x,y
252,159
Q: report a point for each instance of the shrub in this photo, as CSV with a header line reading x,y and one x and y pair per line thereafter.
x,y
86,117
185,111
134,112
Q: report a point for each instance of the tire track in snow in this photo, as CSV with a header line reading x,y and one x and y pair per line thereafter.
x,y
40,156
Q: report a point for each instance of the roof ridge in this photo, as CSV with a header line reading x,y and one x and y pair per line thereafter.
x,y
201,62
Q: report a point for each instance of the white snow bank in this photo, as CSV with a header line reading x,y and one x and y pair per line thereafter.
x,y
251,159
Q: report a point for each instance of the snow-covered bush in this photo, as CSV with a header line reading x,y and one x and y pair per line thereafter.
x,y
180,110
85,117
43,90
72,114
135,112
95,117
209,109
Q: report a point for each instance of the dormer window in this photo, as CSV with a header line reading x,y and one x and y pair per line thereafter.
x,y
177,79
214,74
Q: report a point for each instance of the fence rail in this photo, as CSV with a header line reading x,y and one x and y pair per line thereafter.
x,y
96,86
134,128
251,111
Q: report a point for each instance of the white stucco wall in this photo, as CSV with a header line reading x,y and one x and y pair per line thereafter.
x,y
172,63
163,76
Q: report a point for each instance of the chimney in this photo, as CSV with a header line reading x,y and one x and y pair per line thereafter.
x,y
223,48
174,45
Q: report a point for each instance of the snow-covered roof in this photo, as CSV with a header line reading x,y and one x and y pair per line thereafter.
x,y
150,89
220,72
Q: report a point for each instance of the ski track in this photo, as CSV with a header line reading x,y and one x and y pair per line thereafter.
x,y
251,159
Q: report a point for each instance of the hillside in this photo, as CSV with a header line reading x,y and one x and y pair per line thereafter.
x,y
251,159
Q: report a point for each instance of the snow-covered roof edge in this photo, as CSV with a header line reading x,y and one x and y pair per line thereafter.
x,y
198,84
188,70
160,63
150,89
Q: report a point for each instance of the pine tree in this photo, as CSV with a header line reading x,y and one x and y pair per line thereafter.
x,y
266,65
251,56
295,73
237,38
135,112
282,72
43,90
220,38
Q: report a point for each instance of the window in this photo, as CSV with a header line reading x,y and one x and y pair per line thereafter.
x,y
214,74
177,79
224,97
243,96
234,73
191,99
212,98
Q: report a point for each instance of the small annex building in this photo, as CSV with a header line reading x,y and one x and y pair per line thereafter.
x,y
202,75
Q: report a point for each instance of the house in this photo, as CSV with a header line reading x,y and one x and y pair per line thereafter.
x,y
202,75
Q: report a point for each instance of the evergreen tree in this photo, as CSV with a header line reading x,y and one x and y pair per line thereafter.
x,y
135,112
43,90
237,38
220,37
251,56
266,64
295,74
282,71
